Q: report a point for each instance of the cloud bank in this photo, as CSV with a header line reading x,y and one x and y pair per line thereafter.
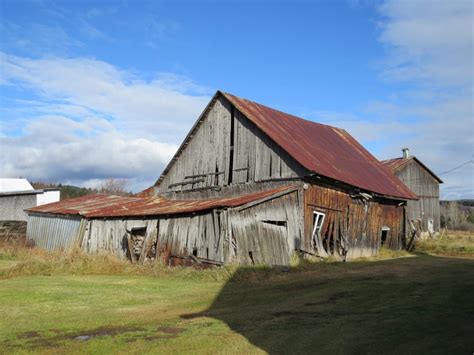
x,y
90,120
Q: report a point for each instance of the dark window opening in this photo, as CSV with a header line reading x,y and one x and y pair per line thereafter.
x,y
195,252
231,153
139,231
251,257
383,237
276,223
270,165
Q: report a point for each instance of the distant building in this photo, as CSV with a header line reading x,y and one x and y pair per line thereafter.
x,y
16,195
424,183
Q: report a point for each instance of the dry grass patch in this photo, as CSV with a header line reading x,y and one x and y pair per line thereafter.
x,y
449,243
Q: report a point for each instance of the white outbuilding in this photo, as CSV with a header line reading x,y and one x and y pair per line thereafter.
x,y
16,195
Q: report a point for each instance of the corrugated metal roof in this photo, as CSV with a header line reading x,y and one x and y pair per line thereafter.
x,y
397,163
97,206
82,205
325,150
150,191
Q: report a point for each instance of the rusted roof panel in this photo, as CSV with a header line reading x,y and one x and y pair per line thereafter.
x,y
82,205
98,206
146,193
397,163
394,164
325,150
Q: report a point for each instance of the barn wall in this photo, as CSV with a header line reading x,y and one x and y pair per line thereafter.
x,y
426,188
199,235
110,235
361,222
268,232
233,190
54,232
227,149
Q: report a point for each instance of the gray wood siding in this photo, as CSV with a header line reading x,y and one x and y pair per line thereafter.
x,y
426,188
212,154
268,232
109,235
193,234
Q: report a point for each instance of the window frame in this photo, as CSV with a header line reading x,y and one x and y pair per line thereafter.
x,y
318,217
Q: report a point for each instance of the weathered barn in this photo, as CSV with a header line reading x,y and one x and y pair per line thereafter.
x,y
425,184
262,184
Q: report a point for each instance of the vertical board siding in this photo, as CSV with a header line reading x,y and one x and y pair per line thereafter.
x,y
266,233
362,221
205,160
426,187
198,235
110,235
207,152
53,232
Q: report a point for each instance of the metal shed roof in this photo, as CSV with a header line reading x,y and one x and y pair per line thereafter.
x,y
101,205
324,150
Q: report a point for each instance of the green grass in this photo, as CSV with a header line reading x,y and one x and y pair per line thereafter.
x,y
420,304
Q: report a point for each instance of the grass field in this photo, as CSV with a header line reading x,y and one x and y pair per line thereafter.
x,y
75,304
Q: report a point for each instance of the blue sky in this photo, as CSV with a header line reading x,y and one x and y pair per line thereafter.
x,y
98,89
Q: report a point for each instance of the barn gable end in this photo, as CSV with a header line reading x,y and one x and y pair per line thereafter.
x,y
224,148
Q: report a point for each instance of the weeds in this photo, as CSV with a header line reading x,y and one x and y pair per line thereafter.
x,y
450,243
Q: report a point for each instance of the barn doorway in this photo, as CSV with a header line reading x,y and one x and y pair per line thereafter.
x,y
384,233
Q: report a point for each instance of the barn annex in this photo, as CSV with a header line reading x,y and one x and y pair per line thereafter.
x,y
425,184
249,184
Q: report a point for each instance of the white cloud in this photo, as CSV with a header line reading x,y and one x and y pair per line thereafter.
x,y
430,44
429,40
90,120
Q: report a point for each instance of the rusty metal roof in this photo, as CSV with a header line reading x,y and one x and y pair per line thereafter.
x,y
398,163
82,205
324,150
150,191
101,206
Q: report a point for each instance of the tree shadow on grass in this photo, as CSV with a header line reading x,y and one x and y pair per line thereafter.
x,y
412,305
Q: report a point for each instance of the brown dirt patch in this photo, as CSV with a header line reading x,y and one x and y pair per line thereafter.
x,y
29,335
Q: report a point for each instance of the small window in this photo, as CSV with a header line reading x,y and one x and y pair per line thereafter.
x,y
318,221
384,235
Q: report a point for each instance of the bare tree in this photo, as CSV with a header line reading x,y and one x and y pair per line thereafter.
x,y
115,187
452,214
